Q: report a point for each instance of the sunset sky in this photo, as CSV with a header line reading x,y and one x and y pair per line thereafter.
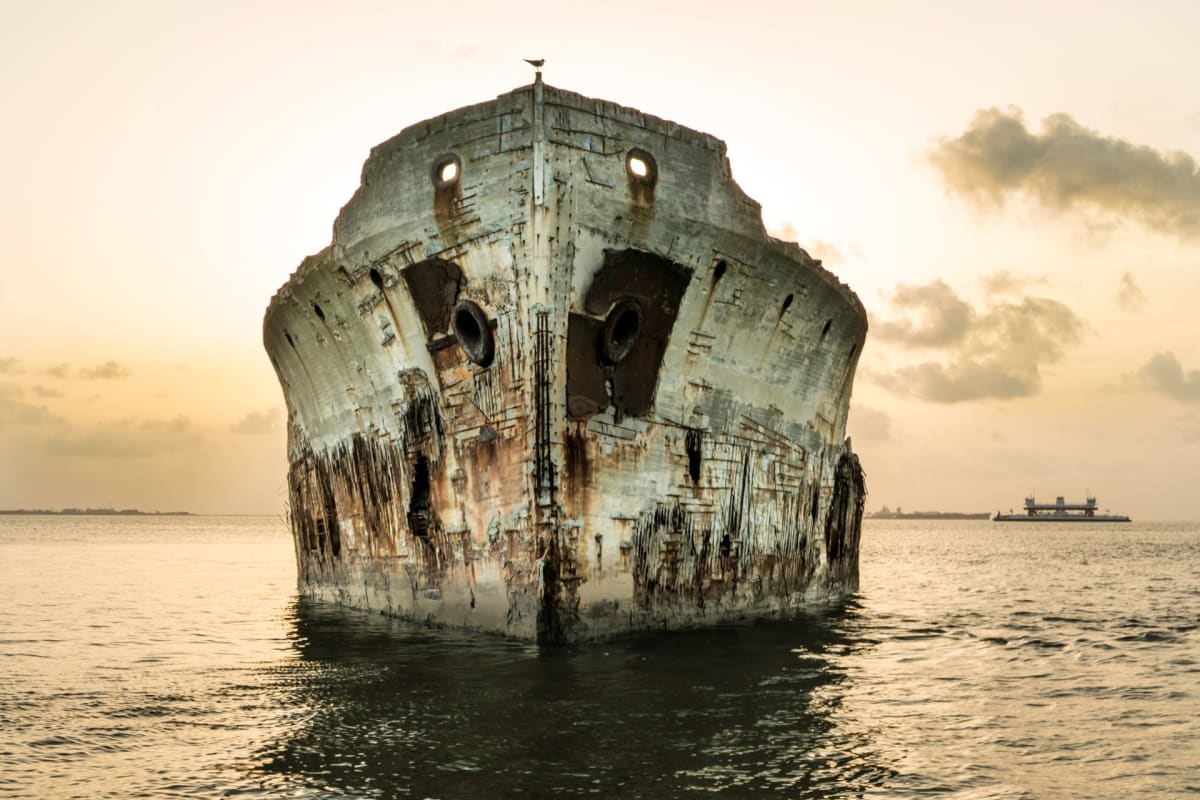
x,y
1009,188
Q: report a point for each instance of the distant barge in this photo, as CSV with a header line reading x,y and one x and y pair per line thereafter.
x,y
1060,511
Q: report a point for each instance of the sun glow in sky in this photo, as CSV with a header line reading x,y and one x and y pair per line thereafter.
x,y
1009,188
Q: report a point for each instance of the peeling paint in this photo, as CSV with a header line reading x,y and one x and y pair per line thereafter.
x,y
641,424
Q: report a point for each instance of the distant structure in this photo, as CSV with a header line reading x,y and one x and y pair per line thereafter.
x,y
1060,511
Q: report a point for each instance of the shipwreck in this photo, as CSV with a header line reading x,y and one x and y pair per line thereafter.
x,y
553,380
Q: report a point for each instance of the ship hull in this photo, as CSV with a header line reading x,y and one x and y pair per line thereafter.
x,y
562,395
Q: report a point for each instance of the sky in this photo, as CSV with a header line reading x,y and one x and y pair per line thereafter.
x,y
1010,189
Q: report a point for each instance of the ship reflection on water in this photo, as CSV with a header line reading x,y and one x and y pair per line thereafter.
x,y
387,709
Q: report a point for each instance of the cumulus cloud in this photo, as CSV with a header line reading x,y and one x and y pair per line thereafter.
x,y
997,352
1164,373
1009,282
15,412
938,316
1065,166
125,439
258,423
109,370
826,252
785,232
868,424
1129,295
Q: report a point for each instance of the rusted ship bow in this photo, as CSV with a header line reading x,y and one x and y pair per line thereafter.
x,y
552,380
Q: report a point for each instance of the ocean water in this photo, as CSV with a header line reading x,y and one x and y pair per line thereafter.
x,y
170,657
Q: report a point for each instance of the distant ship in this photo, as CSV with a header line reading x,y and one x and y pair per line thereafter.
x,y
1060,511
887,513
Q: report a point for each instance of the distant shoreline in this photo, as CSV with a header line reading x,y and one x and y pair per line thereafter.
x,y
93,512
927,515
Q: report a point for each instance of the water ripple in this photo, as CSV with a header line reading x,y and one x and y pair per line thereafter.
x,y
973,664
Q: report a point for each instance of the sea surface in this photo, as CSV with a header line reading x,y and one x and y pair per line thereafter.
x,y
164,657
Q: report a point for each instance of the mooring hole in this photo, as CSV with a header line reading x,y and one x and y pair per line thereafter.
x,y
470,325
446,171
626,329
376,279
467,327
641,166
621,332
319,311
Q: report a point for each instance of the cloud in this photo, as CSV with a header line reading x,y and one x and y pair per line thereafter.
x,y
1188,427
1163,373
869,424
258,423
125,439
1066,166
42,391
1009,282
994,353
8,365
16,413
784,232
109,370
965,379
1130,296
942,316
59,371
825,252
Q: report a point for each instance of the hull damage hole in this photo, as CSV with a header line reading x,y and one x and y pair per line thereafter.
x,y
719,272
376,279
844,522
330,533
787,303
474,333
420,504
692,442
320,313
434,286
